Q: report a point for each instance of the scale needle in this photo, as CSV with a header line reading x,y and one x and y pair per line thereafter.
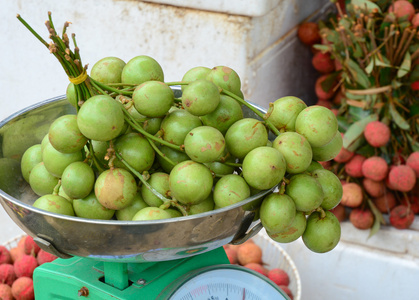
x,y
244,293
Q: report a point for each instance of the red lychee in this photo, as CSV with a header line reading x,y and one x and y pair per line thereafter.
x,y
386,202
402,8
377,133
44,257
361,218
352,195
7,274
25,265
287,291
354,166
5,257
22,289
6,292
401,217
257,267
249,253
374,188
321,92
308,33
323,62
30,246
231,255
279,276
375,168
413,162
402,178
340,212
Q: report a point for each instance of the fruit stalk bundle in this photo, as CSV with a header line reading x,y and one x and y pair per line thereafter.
x,y
367,52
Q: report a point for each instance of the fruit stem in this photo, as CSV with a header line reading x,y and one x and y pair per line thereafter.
x,y
177,83
93,156
141,177
282,187
109,88
160,153
321,211
252,108
56,188
130,120
176,204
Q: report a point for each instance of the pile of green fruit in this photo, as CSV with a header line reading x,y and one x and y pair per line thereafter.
x,y
135,151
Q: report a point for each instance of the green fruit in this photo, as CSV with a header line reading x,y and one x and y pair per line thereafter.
x,y
226,114
175,156
284,111
153,98
108,70
226,78
314,165
204,206
90,208
56,162
322,234
277,212
141,69
296,150
159,181
71,94
177,124
65,136
136,150
41,181
195,74
115,188
317,124
330,150
173,212
44,142
100,118
78,180
151,213
332,188
152,125
190,182
263,168
244,136
200,97
31,157
100,150
292,232
230,189
127,213
55,204
204,144
306,192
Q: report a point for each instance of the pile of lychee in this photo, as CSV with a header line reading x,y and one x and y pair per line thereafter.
x,y
17,265
369,183
249,255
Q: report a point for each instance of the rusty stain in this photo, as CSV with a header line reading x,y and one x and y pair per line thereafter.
x,y
206,147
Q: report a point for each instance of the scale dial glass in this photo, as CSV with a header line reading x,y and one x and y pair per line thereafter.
x,y
223,282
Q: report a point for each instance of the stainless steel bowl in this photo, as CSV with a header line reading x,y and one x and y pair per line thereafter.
x,y
112,240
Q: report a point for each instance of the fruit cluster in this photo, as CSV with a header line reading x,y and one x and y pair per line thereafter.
x,y
17,265
249,255
375,102
137,151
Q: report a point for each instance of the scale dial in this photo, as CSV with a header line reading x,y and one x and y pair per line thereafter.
x,y
223,282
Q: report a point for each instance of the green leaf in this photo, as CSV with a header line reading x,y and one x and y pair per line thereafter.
x,y
343,123
329,82
398,119
378,218
405,66
358,113
358,143
323,48
358,74
414,144
367,150
384,63
354,97
365,3
370,67
356,130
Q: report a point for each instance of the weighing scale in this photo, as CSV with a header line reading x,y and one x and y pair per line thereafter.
x,y
180,258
